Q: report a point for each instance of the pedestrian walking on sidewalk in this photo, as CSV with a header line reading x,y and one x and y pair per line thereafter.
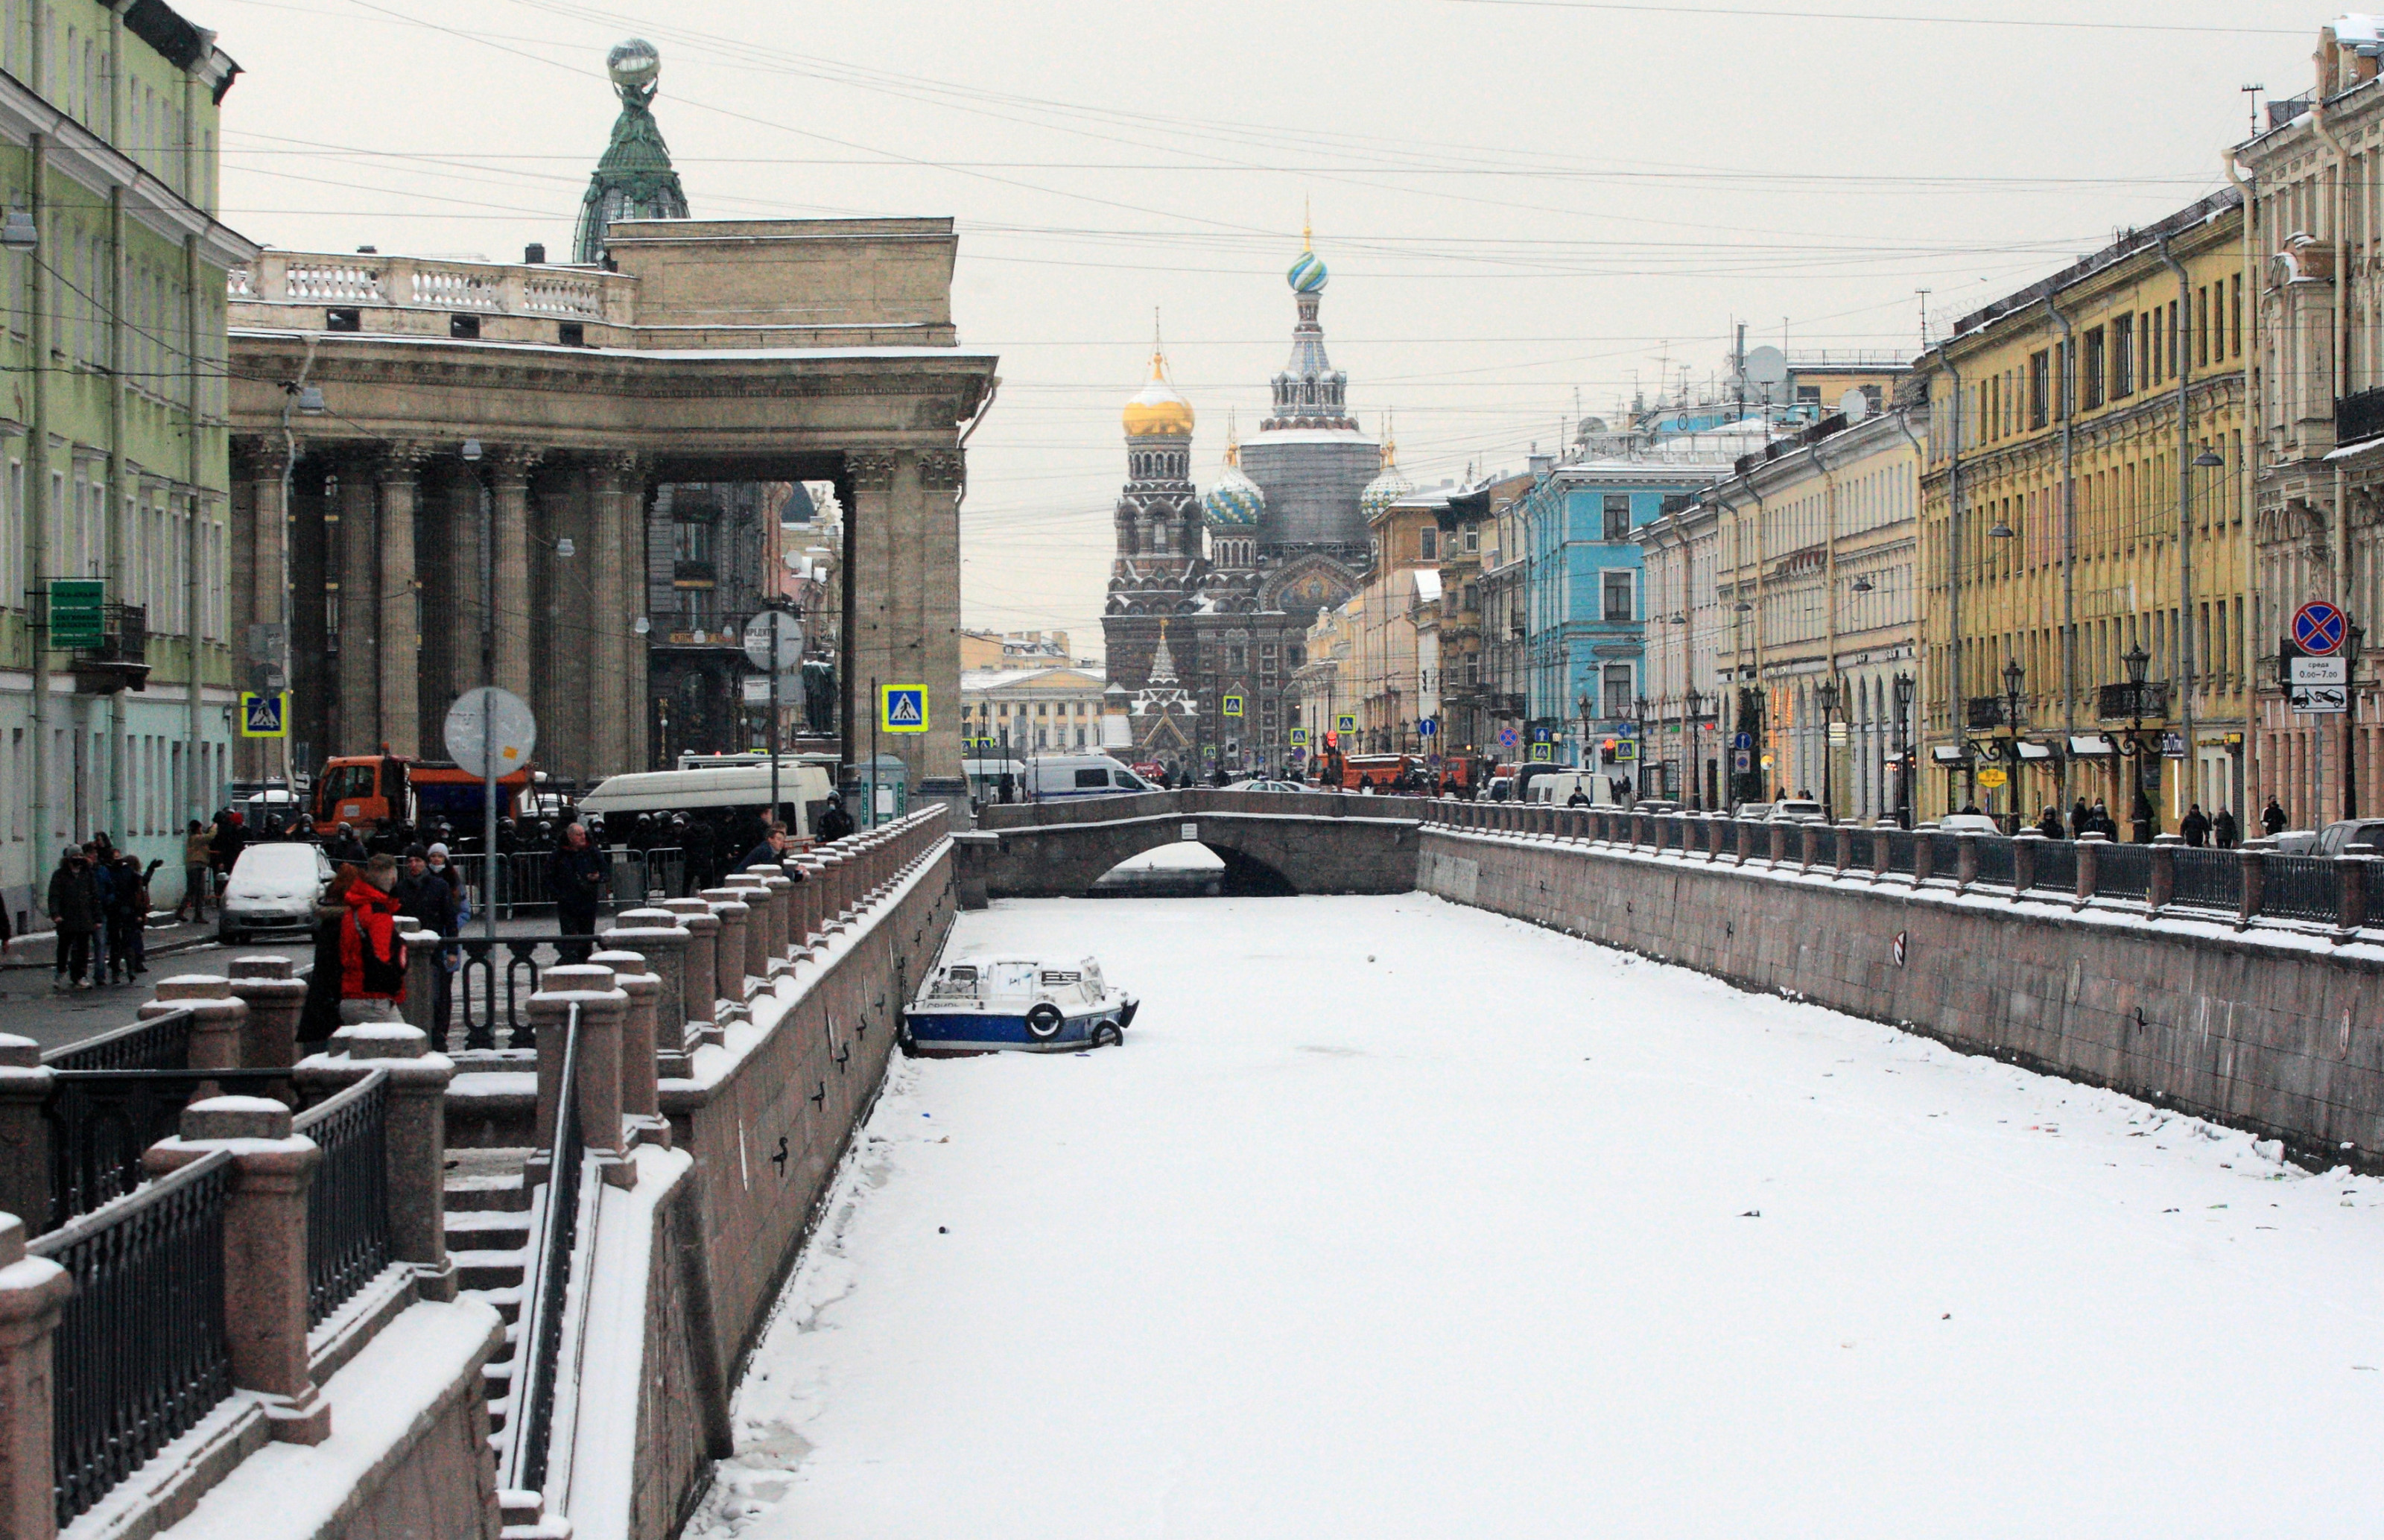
x,y
574,876
198,855
372,959
73,908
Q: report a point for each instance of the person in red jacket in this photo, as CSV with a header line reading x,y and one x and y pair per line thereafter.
x,y
372,960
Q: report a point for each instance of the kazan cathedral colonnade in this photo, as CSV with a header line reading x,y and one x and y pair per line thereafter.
x,y
1212,595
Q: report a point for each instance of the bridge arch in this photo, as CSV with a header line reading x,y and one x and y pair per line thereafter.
x,y
1270,842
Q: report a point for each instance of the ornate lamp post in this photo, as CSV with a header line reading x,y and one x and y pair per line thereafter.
x,y
2136,661
1904,751
1639,781
2014,676
1694,704
1584,703
1828,695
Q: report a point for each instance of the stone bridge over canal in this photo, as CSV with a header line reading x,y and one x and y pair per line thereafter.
x,y
1272,843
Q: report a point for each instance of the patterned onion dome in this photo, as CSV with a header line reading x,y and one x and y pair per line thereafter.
x,y
1234,502
1307,276
1388,488
1157,409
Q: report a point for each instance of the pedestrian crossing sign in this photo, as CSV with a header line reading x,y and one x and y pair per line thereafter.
x,y
1345,722
264,715
902,708
1299,738
1543,752
1233,705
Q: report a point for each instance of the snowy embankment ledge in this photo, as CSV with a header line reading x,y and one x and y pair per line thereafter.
x,y
1395,1218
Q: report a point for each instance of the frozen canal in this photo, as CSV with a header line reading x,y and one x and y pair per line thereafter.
x,y
1396,1219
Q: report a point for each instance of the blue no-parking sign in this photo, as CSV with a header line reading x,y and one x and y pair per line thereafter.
x,y
2318,628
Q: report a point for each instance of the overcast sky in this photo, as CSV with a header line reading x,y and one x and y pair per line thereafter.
x,y
1522,200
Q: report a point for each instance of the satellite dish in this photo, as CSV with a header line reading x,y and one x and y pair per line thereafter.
x,y
1765,368
1855,404
1593,425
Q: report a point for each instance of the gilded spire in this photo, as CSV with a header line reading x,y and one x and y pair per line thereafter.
x,y
1233,440
1157,408
1306,223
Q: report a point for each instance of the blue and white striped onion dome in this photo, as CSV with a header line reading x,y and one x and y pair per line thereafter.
x,y
1307,276
1384,490
1234,502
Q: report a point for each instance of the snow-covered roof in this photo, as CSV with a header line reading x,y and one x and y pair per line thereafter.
x,y
1427,583
983,679
1309,436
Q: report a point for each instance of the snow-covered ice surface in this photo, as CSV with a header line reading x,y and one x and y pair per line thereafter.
x,y
1398,1219
1182,856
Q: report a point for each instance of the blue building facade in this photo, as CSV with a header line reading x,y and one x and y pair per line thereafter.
x,y
1586,615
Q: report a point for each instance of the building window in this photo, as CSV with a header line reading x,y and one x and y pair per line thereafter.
x,y
1615,686
1618,598
1428,543
1618,515
2040,389
2091,368
2123,357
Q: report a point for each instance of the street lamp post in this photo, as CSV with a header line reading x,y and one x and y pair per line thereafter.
x,y
1827,694
1693,703
1581,757
1639,720
2137,660
2014,676
1904,751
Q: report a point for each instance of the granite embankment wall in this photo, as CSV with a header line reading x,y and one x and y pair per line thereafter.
x,y
766,1115
2274,1029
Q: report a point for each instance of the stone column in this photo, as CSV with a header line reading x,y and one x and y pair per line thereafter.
x,y
565,597
618,535
413,1138
641,1103
258,572
936,589
25,1088
359,725
265,1251
32,1291
218,1025
460,618
509,528
399,630
2025,846
2252,875
2089,858
2160,885
872,621
702,986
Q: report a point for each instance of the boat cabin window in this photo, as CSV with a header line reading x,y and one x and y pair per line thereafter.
x,y
1013,978
957,984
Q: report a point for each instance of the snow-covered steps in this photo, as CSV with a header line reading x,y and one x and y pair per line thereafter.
x,y
488,1240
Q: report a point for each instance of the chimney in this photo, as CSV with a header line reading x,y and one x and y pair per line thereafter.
x,y
534,254
1541,465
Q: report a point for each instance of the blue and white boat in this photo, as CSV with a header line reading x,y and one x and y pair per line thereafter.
x,y
989,1004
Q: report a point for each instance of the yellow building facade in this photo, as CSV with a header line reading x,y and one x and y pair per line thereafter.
x,y
2084,586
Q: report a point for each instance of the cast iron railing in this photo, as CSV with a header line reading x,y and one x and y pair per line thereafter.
x,y
1995,868
347,1203
2299,887
163,1042
101,1121
2057,867
530,1426
2123,871
2208,879
141,1352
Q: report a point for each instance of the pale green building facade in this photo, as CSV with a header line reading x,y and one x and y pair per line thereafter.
x,y
113,445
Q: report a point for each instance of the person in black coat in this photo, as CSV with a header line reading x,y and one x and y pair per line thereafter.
x,y
319,1017
575,870
2050,824
2273,819
834,822
73,908
2195,826
2224,833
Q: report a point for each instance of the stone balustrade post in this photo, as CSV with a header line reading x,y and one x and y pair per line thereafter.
x,y
2025,846
275,995
2160,883
2354,872
1808,846
640,1094
836,900
656,936
218,1023
2089,863
414,1137
2250,881
735,913
597,1085
1924,851
754,890
1777,845
780,889
1841,851
1882,850
701,987
265,1251
1745,833
425,960
25,1087
33,1292
803,922
1965,861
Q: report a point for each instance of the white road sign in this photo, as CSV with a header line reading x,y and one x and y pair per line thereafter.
x,y
2321,671
774,634
2317,699
472,740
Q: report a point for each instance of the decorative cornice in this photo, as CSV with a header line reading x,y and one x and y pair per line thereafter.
x,y
943,469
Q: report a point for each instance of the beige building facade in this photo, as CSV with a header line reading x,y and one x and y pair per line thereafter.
x,y
1029,710
476,500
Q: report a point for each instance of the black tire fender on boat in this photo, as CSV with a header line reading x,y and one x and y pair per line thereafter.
x,y
1108,1034
1044,1021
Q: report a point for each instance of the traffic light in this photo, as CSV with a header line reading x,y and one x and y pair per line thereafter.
x,y
1332,740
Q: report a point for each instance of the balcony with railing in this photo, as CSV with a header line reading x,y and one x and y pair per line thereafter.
x,y
119,659
2147,701
428,297
2358,417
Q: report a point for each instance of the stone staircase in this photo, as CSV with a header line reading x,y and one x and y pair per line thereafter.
x,y
488,1238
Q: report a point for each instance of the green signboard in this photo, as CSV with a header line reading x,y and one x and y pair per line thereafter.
x,y
77,617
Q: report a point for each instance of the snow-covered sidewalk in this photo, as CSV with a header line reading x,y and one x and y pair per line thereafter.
x,y
1398,1219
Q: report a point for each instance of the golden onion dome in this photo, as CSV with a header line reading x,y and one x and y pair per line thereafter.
x,y
1157,410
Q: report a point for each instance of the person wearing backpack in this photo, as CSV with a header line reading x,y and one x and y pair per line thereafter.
x,y
372,960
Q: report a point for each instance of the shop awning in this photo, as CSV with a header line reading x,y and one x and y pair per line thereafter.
x,y
1944,755
2091,746
2035,750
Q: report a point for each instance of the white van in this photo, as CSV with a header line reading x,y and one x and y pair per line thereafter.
x,y
803,789
1057,777
1560,786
